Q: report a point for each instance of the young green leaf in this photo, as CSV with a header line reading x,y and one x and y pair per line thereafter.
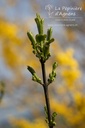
x,y
40,38
31,70
30,36
49,34
39,21
36,79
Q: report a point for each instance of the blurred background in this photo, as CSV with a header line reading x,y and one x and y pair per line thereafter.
x,y
21,99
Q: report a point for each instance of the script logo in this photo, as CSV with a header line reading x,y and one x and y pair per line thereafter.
x,y
49,9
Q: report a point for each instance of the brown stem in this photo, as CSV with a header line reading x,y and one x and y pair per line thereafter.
x,y
46,93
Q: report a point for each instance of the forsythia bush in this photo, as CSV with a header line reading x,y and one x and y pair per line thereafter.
x,y
70,69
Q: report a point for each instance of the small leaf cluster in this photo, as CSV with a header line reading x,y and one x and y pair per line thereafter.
x,y
34,75
53,116
52,75
51,78
41,42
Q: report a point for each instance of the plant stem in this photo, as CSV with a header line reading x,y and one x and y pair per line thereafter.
x,y
46,93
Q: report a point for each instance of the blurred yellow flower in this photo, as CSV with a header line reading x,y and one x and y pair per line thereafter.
x,y
70,75
23,123
69,66
66,58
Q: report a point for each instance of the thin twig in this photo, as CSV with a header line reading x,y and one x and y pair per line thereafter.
x,y
46,93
